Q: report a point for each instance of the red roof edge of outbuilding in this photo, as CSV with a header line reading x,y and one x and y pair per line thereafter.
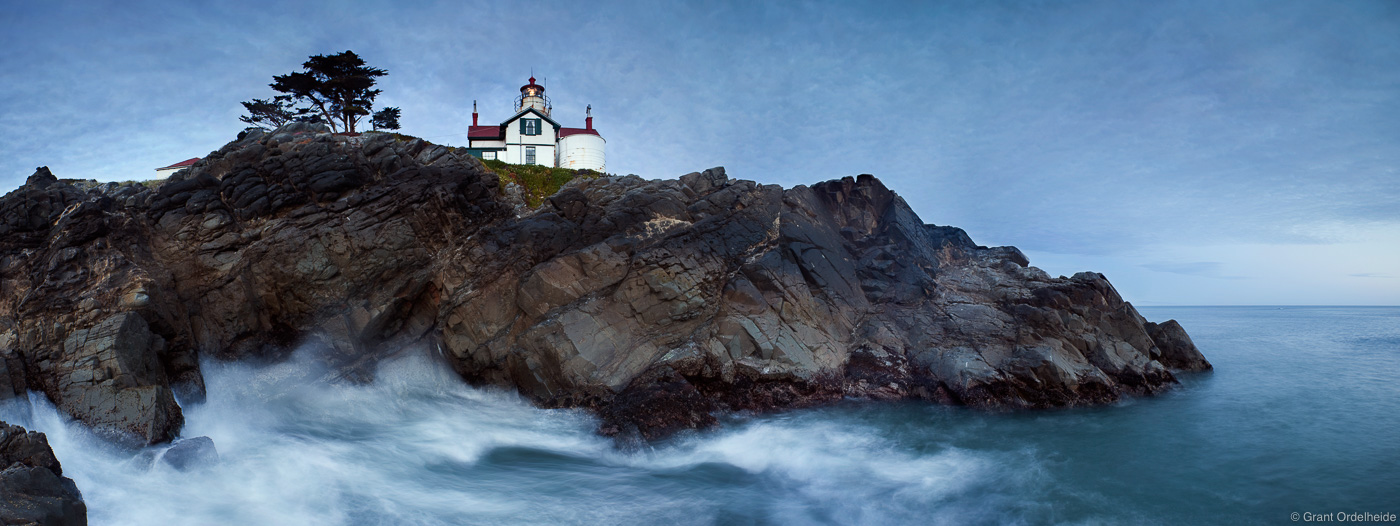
x,y
485,132
181,164
565,132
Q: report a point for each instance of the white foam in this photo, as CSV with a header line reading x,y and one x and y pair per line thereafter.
x,y
835,471
413,447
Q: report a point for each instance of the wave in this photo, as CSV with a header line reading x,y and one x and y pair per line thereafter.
x,y
418,446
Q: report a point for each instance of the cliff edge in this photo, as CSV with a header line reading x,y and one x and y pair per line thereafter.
x,y
653,303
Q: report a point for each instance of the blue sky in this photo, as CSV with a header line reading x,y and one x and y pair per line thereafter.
x,y
1195,152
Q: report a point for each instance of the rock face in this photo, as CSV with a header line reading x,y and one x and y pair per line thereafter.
x,y
654,303
33,489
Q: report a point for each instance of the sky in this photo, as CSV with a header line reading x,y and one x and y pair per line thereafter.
x,y
1195,152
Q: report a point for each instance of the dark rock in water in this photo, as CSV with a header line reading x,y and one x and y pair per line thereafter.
x,y
144,459
191,453
1178,351
654,303
657,408
26,447
33,489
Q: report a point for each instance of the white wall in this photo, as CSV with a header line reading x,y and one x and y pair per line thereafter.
x,y
582,151
544,143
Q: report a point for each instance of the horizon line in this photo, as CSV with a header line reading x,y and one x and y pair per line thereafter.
x,y
1269,305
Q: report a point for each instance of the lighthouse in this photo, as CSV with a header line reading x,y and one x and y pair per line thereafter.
x,y
532,96
532,136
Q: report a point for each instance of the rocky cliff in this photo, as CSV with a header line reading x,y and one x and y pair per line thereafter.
x,y
654,303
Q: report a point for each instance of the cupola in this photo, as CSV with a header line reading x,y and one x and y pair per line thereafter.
x,y
532,96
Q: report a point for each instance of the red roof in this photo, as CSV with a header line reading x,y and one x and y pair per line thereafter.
x,y
565,132
485,132
181,164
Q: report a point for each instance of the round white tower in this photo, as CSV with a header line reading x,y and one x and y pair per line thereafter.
x,y
532,96
582,149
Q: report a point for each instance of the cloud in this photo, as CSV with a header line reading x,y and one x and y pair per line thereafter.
x,y
1208,269
1091,128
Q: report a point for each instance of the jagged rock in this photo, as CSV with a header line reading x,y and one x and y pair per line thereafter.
x,y
1178,351
42,178
33,489
654,303
191,453
115,382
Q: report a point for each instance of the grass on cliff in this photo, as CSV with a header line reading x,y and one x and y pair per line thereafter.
x,y
537,182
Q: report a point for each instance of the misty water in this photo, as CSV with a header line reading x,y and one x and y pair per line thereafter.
x,y
1302,414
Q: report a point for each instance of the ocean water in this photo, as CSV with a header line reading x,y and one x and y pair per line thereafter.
x,y
1302,414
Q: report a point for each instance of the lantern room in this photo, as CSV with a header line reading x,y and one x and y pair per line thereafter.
x,y
532,96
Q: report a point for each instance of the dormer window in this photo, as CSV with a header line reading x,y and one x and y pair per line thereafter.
x,y
529,126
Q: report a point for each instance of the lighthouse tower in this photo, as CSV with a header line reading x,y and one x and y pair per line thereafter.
x,y
532,136
532,96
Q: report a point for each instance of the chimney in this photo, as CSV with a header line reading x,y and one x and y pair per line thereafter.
x,y
473,113
588,122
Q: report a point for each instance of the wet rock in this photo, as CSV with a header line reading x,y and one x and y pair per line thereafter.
x,y
117,384
657,406
191,453
33,489
144,459
1178,351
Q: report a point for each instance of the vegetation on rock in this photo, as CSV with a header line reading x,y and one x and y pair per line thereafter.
x,y
337,89
385,119
274,112
536,181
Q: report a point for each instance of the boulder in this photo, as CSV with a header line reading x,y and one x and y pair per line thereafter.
x,y
33,489
1178,351
117,384
191,453
42,177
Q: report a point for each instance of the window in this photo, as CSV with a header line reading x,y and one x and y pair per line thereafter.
x,y
488,155
529,126
529,155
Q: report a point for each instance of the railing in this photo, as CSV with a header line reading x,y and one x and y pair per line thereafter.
x,y
520,101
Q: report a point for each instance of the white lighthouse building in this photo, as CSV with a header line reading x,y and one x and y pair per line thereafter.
x,y
531,136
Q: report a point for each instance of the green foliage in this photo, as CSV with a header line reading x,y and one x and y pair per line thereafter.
x,y
275,112
337,87
387,119
537,182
